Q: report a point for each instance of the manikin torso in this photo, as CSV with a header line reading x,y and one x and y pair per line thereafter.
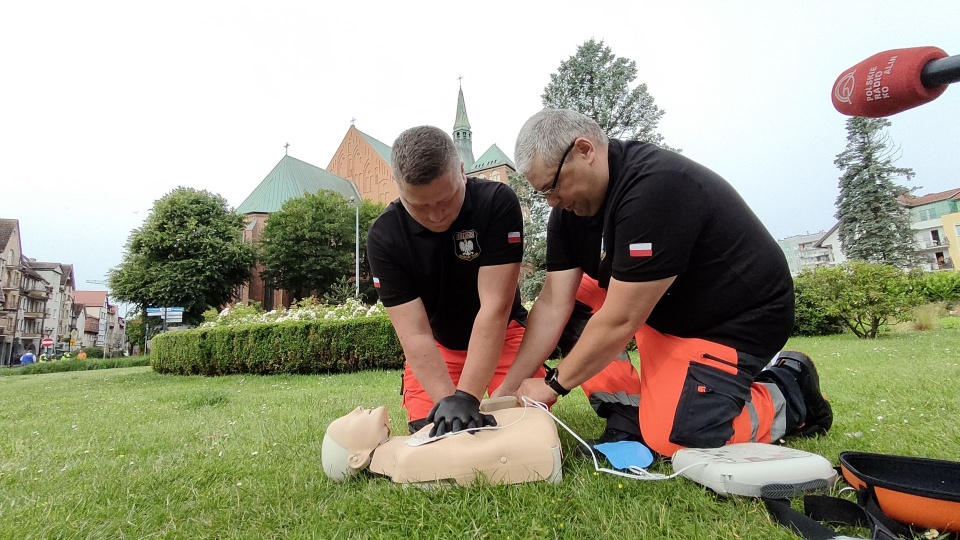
x,y
526,448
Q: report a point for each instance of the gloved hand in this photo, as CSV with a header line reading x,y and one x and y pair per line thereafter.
x,y
458,412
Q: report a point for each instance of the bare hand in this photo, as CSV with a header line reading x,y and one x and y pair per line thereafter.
x,y
502,391
537,390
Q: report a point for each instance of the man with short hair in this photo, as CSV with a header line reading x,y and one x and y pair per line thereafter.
x,y
682,264
27,358
445,258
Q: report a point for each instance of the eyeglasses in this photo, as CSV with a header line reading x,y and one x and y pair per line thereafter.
x,y
556,177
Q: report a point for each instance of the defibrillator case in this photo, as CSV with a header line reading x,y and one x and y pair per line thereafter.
x,y
755,470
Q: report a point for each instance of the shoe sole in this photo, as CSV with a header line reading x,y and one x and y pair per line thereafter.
x,y
815,429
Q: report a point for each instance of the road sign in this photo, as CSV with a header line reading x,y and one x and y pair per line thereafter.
x,y
169,314
46,342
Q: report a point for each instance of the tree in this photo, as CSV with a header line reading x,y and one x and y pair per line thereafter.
x,y
535,215
188,253
596,83
309,244
874,223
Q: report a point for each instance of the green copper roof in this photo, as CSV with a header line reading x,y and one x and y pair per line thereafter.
x,y
293,178
385,151
493,157
461,121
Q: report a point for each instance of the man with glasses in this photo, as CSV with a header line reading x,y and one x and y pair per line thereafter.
x,y
682,264
446,259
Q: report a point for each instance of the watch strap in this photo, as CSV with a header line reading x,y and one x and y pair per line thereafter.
x,y
553,383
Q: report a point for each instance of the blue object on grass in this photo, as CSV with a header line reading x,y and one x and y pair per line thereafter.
x,y
624,454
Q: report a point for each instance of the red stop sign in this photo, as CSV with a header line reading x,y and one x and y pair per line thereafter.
x,y
46,342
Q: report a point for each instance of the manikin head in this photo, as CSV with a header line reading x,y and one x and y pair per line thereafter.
x,y
351,439
563,156
430,176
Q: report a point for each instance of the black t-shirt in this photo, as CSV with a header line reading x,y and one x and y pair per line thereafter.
x,y
665,215
409,261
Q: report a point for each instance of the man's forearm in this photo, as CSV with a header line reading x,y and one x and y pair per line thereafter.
x,y
602,339
428,366
483,352
544,326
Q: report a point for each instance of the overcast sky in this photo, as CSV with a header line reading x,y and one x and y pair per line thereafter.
x,y
107,106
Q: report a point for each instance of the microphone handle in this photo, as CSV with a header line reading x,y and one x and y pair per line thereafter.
x,y
941,71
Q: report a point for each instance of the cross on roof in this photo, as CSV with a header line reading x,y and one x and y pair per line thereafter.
x,y
285,149
352,120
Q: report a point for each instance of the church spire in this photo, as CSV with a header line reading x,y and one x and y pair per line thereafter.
x,y
462,136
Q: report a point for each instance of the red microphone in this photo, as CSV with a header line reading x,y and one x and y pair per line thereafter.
x,y
894,81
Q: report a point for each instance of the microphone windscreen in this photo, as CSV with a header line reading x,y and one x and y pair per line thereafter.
x,y
886,83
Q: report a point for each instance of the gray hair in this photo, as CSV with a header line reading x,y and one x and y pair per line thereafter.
x,y
548,133
423,153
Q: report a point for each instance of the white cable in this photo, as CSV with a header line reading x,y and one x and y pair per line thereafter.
x,y
636,473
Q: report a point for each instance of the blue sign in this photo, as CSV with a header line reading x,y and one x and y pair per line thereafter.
x,y
165,312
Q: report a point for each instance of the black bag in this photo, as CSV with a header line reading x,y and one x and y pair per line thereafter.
x,y
894,494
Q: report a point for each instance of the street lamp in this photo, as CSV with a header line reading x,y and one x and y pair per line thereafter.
x,y
356,255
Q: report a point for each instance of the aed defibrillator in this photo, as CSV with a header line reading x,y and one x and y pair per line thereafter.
x,y
755,470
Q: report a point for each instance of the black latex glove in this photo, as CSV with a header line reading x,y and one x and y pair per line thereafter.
x,y
458,412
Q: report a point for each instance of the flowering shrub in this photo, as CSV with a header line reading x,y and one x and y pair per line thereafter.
x,y
308,309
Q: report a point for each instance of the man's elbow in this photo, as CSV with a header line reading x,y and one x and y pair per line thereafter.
x,y
495,311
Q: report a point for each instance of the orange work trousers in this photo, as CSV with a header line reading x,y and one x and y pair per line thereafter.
x,y
418,403
693,392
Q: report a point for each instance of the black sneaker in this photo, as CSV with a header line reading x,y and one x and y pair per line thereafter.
x,y
819,415
609,435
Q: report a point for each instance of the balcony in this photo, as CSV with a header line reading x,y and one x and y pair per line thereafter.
x,y
39,294
30,335
5,332
35,314
934,244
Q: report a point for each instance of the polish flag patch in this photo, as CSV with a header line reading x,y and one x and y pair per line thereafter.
x,y
644,249
513,237
376,283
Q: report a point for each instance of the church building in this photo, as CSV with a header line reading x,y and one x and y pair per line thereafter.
x,y
360,167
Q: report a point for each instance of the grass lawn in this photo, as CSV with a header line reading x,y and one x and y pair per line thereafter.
x,y
128,453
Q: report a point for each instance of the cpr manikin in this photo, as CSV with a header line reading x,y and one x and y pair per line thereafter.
x,y
524,448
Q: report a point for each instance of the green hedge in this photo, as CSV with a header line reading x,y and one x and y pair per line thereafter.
x,y
317,346
939,286
57,366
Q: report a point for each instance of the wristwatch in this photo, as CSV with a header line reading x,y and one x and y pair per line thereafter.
x,y
553,383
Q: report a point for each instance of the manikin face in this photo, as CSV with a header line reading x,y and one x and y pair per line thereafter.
x,y
351,439
435,205
571,184
362,429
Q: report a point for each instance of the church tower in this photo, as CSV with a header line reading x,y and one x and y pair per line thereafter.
x,y
462,136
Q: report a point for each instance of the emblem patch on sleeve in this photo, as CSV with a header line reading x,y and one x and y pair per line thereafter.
x,y
465,245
